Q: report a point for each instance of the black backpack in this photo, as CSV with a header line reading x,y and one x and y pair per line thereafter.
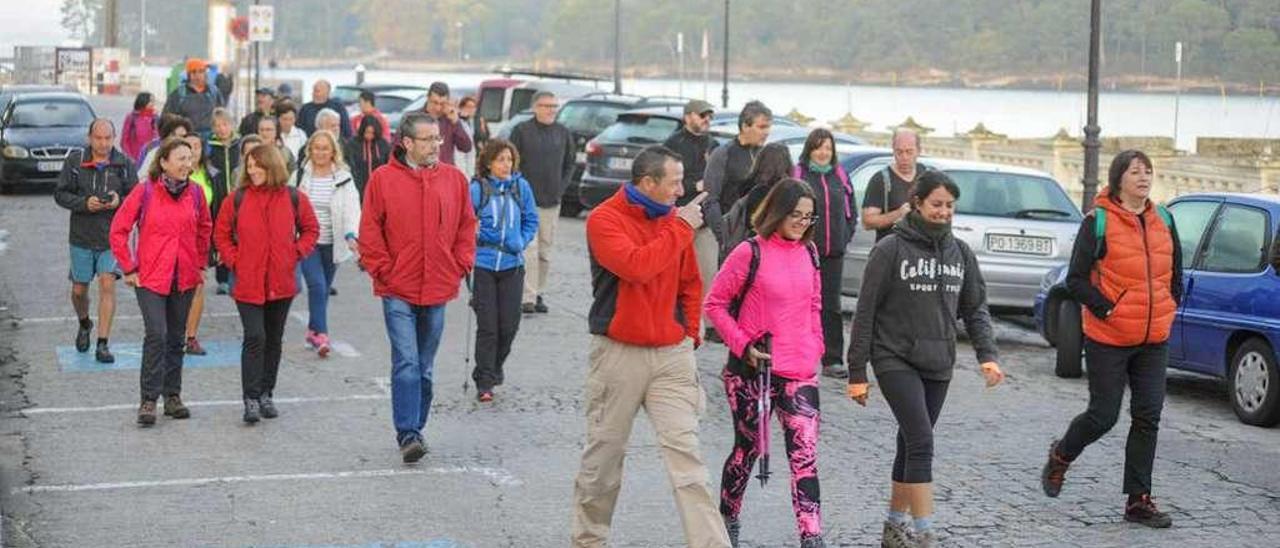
x,y
736,364
488,191
239,199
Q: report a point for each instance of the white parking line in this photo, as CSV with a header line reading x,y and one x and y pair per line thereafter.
x,y
211,403
496,476
340,348
57,319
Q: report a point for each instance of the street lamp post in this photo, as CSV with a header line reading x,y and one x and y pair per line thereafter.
x,y
617,46
459,25
1091,129
724,90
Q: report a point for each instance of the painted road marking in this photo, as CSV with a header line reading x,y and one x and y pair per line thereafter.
x,y
220,353
496,476
57,319
340,348
210,403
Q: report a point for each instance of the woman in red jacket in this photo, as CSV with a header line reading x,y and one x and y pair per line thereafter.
x,y
165,266
263,231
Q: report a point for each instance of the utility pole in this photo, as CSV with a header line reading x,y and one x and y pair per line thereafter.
x,y
724,91
1177,92
1091,129
257,59
143,54
109,25
617,46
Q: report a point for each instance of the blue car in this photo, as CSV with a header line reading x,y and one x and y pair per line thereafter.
x,y
1228,324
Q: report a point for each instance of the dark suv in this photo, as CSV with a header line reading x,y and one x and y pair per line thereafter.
x,y
37,131
586,117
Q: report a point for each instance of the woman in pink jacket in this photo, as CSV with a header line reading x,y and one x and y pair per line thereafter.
x,y
165,267
769,285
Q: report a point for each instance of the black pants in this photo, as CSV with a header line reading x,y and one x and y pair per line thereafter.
x,y
164,317
260,353
1110,368
916,403
832,269
496,300
222,274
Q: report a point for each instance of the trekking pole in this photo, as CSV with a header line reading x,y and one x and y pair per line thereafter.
x,y
466,359
764,406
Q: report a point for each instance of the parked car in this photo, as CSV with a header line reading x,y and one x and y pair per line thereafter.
x,y
610,154
1228,323
395,103
350,94
503,98
1019,223
37,132
8,92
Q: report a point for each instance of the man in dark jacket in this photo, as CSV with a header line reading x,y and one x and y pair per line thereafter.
x,y
453,136
224,157
729,168
694,146
546,154
417,242
196,99
265,98
320,100
91,185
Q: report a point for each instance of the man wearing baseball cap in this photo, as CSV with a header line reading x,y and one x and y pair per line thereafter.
x,y
263,99
196,99
694,145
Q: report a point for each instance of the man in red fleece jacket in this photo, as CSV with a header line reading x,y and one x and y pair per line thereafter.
x,y
417,241
645,322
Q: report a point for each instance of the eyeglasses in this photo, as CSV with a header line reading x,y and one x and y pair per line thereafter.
x,y
705,115
798,217
437,139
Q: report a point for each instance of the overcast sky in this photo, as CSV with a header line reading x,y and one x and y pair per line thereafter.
x,y
39,24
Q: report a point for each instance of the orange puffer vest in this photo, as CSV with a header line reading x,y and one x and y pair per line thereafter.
x,y
1134,274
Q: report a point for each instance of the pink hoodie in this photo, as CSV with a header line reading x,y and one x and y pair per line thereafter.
x,y
785,300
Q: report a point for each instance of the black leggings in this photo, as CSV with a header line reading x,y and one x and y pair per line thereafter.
x,y
916,403
832,324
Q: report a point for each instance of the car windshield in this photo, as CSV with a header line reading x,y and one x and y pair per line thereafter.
x,y
1012,195
587,117
346,95
391,103
51,114
639,129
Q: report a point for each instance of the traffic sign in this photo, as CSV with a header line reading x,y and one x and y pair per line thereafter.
x,y
262,23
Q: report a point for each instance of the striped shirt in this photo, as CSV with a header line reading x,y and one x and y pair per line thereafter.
x,y
320,193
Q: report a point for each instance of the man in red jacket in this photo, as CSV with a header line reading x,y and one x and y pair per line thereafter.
x,y
645,326
417,241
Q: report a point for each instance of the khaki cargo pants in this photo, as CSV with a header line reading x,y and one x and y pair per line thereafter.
x,y
664,381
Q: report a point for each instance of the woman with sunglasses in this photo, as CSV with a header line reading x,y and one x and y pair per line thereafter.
x,y
769,289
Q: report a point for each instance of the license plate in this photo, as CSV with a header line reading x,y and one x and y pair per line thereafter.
x,y
1024,245
49,166
581,158
620,164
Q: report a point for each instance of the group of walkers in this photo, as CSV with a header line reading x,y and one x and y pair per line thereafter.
x,y
738,239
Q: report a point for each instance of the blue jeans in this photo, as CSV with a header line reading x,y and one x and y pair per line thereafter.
x,y
414,332
318,270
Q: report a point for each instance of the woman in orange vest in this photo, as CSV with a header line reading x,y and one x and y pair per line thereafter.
x,y
1126,271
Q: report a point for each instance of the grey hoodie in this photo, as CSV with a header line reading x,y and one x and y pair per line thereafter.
x,y
917,282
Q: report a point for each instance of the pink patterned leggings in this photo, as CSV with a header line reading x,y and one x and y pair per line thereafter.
x,y
796,403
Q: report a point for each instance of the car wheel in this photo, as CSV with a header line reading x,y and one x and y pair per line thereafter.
x,y
1255,384
570,209
1069,337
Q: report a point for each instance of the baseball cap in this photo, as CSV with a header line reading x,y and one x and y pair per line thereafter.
x,y
698,106
196,64
266,91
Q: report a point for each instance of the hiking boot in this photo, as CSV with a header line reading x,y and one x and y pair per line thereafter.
x,y
103,355
193,347
267,408
322,345
224,288
173,407
540,307
813,542
925,539
835,371
485,396
528,308
333,292
252,411
1142,510
733,527
147,413
896,535
82,336
1054,472
412,451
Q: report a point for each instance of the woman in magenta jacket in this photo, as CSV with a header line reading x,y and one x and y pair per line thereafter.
x,y
165,266
783,300
265,228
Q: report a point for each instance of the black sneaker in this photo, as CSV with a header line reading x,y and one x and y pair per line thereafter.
x,y
252,411
813,542
540,307
1054,472
333,292
223,288
835,371
267,408
1142,510
82,336
528,308
103,355
412,451
733,527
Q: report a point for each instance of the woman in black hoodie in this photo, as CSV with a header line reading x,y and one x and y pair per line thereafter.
x,y
917,282
366,151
